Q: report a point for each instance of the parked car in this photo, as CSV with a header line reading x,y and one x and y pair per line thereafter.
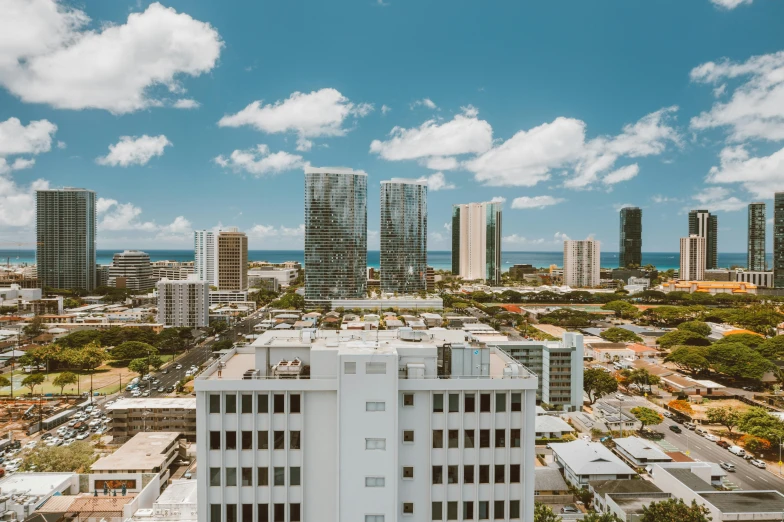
x,y
737,450
676,429
711,437
728,467
668,414
756,462
146,393
169,389
83,436
723,443
46,436
94,422
161,389
678,419
136,393
690,425
701,432
569,510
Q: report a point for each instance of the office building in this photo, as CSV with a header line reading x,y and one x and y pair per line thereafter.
x,y
336,426
403,236
140,415
630,243
476,242
778,240
174,270
581,263
205,257
65,235
757,225
704,224
693,251
184,303
232,264
335,234
131,269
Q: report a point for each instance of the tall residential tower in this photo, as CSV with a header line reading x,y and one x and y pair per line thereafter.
x,y
630,244
205,264
335,234
476,241
581,263
232,266
403,236
778,240
756,260
65,232
704,224
692,258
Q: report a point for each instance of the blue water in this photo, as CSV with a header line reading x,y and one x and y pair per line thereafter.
x,y
436,259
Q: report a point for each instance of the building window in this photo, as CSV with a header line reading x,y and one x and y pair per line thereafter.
x,y
263,403
375,406
500,473
294,440
263,512
214,403
514,509
247,403
484,402
484,438
498,510
263,476
247,440
451,510
231,440
454,402
468,474
279,476
231,512
215,475
294,474
514,473
247,513
517,402
438,403
278,403
231,476
294,403
375,368
452,474
350,368
438,439
215,513
263,439
374,518
279,512
376,444
295,513
469,403
484,510
515,436
437,511
408,472
500,402
500,438
408,435
231,403
484,474
468,510
408,399
246,477
438,474
374,482
215,442
279,439
408,508
453,438
468,439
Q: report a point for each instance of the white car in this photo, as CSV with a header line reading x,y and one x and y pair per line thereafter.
x,y
146,393
101,431
96,413
10,468
756,462
189,373
83,436
32,444
55,441
178,367
69,442
94,422
88,408
711,437
136,393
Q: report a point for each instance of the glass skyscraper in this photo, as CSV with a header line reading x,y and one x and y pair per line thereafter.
x,y
704,224
335,234
65,232
476,241
403,236
756,252
630,244
778,240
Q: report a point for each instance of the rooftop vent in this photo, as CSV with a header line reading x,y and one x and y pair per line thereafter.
x,y
251,374
288,369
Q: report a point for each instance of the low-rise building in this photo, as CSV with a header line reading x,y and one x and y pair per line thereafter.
x,y
177,503
403,302
22,493
283,276
550,487
708,287
152,414
583,461
640,452
624,498
551,427
615,418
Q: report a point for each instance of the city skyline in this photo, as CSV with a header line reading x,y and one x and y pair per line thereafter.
x,y
223,145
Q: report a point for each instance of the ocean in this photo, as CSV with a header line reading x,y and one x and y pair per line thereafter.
x,y
436,259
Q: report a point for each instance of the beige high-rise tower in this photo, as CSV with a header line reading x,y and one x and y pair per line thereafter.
x,y
232,260
693,251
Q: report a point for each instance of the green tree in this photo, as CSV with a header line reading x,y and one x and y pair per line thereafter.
x,y
33,380
598,383
543,513
620,335
746,339
291,300
223,344
601,517
155,361
64,379
772,348
698,327
647,416
674,509
568,318
5,382
140,366
643,378
622,309
738,361
170,340
79,338
35,328
61,459
758,422
682,337
724,416
130,350
690,358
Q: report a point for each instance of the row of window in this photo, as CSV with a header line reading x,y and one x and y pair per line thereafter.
x,y
469,402
263,476
262,440
452,474
262,401
483,510
469,438
266,513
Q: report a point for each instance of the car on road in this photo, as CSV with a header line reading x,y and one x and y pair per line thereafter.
x,y
46,436
711,437
146,393
728,467
169,389
668,414
178,367
676,429
756,462
94,422
161,389
690,425
83,436
165,371
679,420
737,450
136,393
723,443
56,441
569,510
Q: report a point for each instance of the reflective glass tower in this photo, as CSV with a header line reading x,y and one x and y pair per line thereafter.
x,y
630,244
704,224
778,240
403,236
65,231
476,241
335,234
756,252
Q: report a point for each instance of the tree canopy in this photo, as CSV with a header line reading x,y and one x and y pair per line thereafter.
x,y
622,309
568,318
65,379
724,416
543,513
33,380
60,459
598,383
674,509
738,361
647,416
682,337
698,327
690,358
132,350
620,335
758,422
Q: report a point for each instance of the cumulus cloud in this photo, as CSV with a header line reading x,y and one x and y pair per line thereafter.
x,y
525,202
760,176
186,103
17,201
437,181
47,55
498,199
424,102
385,109
659,199
34,138
259,161
518,240
622,174
730,4
718,198
316,114
114,216
560,236
132,150
266,231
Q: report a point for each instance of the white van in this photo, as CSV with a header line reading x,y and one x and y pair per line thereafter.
x,y
737,450
135,380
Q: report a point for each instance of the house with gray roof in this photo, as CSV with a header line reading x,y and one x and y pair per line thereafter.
x,y
614,496
640,452
551,427
583,461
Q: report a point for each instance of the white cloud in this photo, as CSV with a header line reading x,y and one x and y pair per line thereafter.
x,y
525,202
132,150
718,198
304,145
424,102
560,236
35,138
385,109
114,216
621,206
48,56
260,161
448,226
730,4
17,202
61,145
518,240
622,174
186,103
761,176
313,115
498,199
440,163
437,181
659,199
17,164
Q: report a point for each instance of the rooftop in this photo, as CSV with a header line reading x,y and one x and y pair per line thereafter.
x,y
34,483
549,479
184,403
590,458
145,451
603,487
746,501
641,449
179,492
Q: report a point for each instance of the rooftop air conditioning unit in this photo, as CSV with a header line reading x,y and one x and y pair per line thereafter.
x,y
251,374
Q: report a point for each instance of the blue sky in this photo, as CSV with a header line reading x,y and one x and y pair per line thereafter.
x,y
201,114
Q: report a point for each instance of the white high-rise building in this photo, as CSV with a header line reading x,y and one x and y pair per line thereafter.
x,y
184,303
205,250
693,252
581,263
476,241
334,426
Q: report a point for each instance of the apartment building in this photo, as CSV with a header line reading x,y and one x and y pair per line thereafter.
x,y
184,303
150,414
581,263
476,241
232,265
692,266
630,243
403,236
205,256
365,426
131,269
174,270
706,225
756,238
